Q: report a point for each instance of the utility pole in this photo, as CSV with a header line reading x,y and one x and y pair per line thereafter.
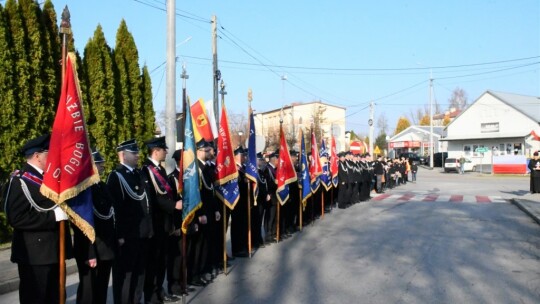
x,y
431,147
216,74
170,93
371,128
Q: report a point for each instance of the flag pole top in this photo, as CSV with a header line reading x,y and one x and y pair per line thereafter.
x,y
65,25
250,96
222,86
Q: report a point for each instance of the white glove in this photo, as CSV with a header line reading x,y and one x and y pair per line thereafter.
x,y
60,214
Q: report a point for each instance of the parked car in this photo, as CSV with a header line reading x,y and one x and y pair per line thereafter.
x,y
438,159
413,157
452,165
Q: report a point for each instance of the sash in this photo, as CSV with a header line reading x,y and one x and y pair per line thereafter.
x,y
162,182
32,178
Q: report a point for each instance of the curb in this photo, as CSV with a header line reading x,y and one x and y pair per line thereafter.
x,y
13,285
524,209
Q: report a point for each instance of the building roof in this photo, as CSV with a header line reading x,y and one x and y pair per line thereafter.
x,y
438,131
487,136
527,105
296,104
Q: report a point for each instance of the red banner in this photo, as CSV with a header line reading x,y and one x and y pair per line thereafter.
x,y
315,167
285,173
201,126
225,165
333,159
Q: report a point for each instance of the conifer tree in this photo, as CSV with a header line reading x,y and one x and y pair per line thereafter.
x,y
54,47
98,65
147,105
9,139
128,84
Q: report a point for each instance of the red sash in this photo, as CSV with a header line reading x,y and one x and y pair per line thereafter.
x,y
32,178
162,182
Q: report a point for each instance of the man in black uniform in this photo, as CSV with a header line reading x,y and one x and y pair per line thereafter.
x,y
343,178
163,202
94,261
239,224
133,225
35,229
270,228
263,199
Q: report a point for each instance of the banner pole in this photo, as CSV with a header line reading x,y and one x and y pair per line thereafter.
x,y
277,222
224,217
65,29
249,217
300,208
322,203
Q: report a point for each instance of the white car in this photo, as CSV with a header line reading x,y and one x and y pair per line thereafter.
x,y
452,164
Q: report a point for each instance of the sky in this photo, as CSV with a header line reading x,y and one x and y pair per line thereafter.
x,y
344,53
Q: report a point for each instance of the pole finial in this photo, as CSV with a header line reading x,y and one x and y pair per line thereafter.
x,y
250,95
65,24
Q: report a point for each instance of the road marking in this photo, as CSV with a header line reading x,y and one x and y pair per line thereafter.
x,y
443,198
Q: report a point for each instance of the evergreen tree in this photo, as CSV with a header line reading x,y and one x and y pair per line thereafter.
x,y
10,138
53,44
128,84
98,65
21,76
40,69
147,106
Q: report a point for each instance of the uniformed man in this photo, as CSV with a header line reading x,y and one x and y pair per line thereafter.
x,y
94,261
239,224
270,228
133,224
163,202
343,182
263,200
34,219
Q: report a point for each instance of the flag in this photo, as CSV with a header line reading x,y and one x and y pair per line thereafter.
x,y
325,176
251,168
285,173
304,178
334,162
315,169
227,175
201,124
211,117
70,170
190,194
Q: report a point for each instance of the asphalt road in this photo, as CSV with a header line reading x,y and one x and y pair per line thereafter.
x,y
448,238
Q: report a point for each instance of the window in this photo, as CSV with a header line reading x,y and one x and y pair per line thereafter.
x,y
467,150
489,127
501,149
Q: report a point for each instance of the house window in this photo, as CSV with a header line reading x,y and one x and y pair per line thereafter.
x,y
518,150
502,149
489,127
467,150
509,148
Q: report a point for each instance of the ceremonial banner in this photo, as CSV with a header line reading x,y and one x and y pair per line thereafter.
x,y
325,176
209,106
70,170
315,169
191,195
285,173
334,162
251,167
304,178
227,175
201,127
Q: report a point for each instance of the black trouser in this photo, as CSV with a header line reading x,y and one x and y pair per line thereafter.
x,y
156,266
256,224
199,253
93,282
270,220
174,264
343,194
38,283
129,271
239,228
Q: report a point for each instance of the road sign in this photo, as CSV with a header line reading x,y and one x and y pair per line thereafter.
x,y
370,122
481,150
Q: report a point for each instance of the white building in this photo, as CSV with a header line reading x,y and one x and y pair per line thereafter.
x,y
416,139
501,122
300,115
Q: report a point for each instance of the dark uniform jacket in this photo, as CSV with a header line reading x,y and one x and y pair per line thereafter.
x,y
262,184
35,232
272,183
177,214
132,209
104,246
162,199
209,203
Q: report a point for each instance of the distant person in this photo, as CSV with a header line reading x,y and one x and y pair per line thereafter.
x,y
414,169
462,164
534,166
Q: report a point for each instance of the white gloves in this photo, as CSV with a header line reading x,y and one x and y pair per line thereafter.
x,y
60,214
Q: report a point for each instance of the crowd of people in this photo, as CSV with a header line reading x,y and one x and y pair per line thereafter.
x,y
138,218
